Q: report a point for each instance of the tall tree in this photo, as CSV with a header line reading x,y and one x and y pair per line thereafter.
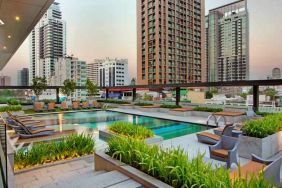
x,y
39,85
271,93
91,87
68,88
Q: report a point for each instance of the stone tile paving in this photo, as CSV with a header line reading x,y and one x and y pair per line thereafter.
x,y
62,172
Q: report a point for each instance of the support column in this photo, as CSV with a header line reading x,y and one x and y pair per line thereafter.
x,y
255,98
107,94
177,96
133,94
57,95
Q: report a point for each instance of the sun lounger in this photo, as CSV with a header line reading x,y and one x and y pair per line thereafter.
x,y
64,106
38,107
51,106
75,105
210,138
21,117
85,105
96,104
270,169
237,128
26,132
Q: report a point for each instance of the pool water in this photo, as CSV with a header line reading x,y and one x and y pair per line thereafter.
x,y
95,120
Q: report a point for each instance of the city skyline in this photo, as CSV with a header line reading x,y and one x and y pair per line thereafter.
x,y
117,38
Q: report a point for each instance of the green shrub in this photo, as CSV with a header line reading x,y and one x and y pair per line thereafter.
x,y
261,128
170,106
69,147
131,130
113,101
13,102
14,108
207,109
143,104
173,167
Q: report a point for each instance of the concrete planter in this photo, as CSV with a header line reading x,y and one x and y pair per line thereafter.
x,y
182,114
201,114
163,110
264,148
105,162
105,135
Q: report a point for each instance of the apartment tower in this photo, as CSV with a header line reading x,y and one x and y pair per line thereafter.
x,y
93,70
23,77
170,39
227,42
47,43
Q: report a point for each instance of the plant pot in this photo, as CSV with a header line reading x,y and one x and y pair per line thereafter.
x,y
262,147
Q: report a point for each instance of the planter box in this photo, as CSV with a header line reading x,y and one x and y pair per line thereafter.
x,y
105,135
163,110
183,114
105,162
201,114
264,148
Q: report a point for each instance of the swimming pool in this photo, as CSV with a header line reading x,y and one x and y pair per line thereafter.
x,y
95,120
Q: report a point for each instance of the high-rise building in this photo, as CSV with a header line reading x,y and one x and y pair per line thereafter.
x,y
5,80
276,73
73,69
227,42
23,77
93,70
170,39
114,72
47,43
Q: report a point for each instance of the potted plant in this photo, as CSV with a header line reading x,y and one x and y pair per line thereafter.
x,y
68,89
39,85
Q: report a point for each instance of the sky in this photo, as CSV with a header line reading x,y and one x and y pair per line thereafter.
x,y
107,28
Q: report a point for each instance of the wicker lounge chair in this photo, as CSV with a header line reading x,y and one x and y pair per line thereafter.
x,y
210,138
51,106
96,104
270,169
38,107
85,105
64,106
75,105
225,150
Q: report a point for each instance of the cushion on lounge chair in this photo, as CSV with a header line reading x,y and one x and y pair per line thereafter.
x,y
246,171
210,135
220,153
40,130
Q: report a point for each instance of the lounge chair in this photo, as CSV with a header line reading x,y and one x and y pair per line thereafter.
x,y
51,106
64,106
225,150
96,104
270,169
21,117
26,132
38,107
85,105
75,105
237,128
210,138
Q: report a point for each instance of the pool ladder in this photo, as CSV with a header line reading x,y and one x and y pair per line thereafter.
x,y
216,120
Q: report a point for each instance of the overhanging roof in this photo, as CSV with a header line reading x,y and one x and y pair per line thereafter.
x,y
17,19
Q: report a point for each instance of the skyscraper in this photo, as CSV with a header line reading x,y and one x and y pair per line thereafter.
x,y
23,77
276,73
47,43
5,80
227,42
170,39
93,70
